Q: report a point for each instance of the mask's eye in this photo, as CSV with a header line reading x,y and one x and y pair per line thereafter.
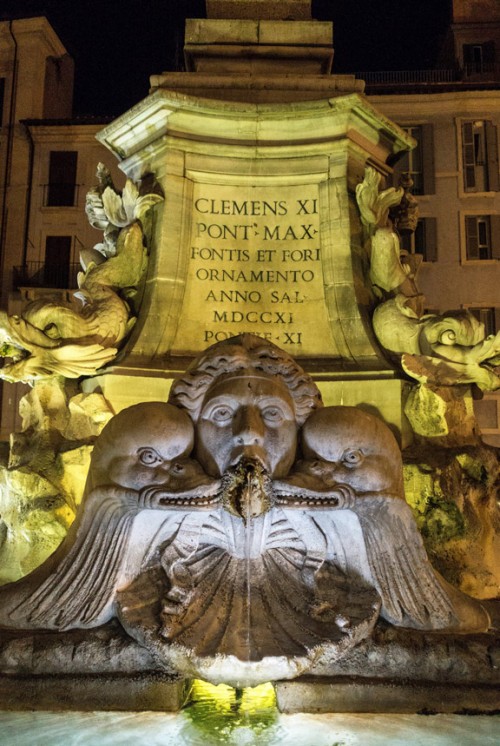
x,y
221,414
149,457
352,457
273,415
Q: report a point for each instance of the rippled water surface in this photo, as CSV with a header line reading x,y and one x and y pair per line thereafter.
x,y
221,715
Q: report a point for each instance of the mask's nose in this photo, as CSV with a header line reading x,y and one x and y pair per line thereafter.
x,y
248,427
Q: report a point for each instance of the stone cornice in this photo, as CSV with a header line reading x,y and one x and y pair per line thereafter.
x,y
170,113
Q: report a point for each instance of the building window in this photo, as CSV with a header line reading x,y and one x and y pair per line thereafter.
x,y
490,317
478,237
478,58
480,156
419,162
61,189
482,237
423,241
57,261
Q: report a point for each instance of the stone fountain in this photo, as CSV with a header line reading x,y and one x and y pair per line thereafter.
x,y
250,318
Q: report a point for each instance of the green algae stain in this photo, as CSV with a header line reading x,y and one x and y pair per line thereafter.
x,y
441,520
473,467
438,518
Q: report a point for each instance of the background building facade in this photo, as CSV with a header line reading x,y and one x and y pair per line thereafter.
x,y
454,114
48,162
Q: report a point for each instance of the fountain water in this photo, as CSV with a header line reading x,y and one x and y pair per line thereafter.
x,y
215,718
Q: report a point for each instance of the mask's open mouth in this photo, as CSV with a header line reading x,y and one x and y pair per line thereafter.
x,y
247,489
302,490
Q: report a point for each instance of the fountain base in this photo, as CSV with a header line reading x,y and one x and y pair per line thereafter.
x,y
141,692
397,670
359,695
101,669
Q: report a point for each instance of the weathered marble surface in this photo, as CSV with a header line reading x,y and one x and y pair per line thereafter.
x,y
395,654
46,653
355,695
204,150
396,670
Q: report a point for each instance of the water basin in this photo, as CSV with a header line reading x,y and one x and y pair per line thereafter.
x,y
222,715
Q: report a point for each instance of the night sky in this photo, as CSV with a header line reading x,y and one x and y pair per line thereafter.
x,y
117,45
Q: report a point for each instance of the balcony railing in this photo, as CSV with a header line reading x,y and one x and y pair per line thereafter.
x,y
42,275
481,70
474,73
408,77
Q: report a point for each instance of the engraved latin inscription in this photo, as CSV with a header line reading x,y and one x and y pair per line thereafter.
x,y
255,266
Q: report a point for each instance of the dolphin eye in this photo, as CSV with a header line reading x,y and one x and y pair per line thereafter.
x,y
178,468
149,457
351,457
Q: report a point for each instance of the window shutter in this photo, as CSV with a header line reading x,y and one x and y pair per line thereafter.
x,y
472,243
428,166
430,240
399,168
468,53
469,156
497,319
489,52
492,156
495,236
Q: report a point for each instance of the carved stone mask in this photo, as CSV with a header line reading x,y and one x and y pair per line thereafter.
x,y
354,448
247,416
143,445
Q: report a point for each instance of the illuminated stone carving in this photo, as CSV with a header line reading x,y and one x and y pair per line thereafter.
x,y
350,451
144,446
72,340
449,349
42,483
223,552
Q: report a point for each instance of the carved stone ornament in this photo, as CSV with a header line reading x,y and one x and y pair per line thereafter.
x,y
77,339
242,531
449,349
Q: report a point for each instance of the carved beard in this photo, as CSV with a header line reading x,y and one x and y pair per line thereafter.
x,y
247,489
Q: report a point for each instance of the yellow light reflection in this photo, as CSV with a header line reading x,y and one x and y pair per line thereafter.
x,y
230,716
250,700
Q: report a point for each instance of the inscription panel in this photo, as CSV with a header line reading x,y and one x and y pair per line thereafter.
x,y
255,265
